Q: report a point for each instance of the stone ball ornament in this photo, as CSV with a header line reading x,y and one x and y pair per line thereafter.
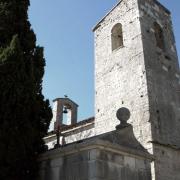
x,y
123,114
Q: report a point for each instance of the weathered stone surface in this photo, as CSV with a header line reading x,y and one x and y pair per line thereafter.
x,y
120,75
142,77
98,158
72,135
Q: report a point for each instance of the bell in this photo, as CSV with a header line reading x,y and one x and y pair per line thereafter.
x,y
65,110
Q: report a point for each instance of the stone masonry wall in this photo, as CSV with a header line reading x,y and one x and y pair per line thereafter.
x,y
73,135
163,82
121,74
143,78
163,77
93,161
167,163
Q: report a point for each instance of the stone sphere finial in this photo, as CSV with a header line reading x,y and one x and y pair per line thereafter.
x,y
123,114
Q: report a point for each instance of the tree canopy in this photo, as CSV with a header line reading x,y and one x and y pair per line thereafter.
x,y
24,113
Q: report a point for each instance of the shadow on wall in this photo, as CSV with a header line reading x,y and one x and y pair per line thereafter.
x,y
114,155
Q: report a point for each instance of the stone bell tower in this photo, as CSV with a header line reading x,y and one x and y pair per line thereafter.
x,y
136,66
61,107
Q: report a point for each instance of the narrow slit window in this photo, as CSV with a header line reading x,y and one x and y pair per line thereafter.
x,y
159,36
117,36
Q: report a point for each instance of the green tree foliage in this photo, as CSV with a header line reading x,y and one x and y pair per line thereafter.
x,y
24,114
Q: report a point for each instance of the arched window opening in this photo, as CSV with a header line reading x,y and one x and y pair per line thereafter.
x,y
159,36
117,37
67,113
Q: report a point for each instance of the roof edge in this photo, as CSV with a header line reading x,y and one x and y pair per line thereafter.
x,y
98,24
161,5
57,99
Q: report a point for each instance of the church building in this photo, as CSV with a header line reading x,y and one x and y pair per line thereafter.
x,y
135,134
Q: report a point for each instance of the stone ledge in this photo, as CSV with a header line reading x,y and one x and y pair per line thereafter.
x,y
93,143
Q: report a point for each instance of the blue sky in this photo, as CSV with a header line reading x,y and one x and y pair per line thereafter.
x,y
64,28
